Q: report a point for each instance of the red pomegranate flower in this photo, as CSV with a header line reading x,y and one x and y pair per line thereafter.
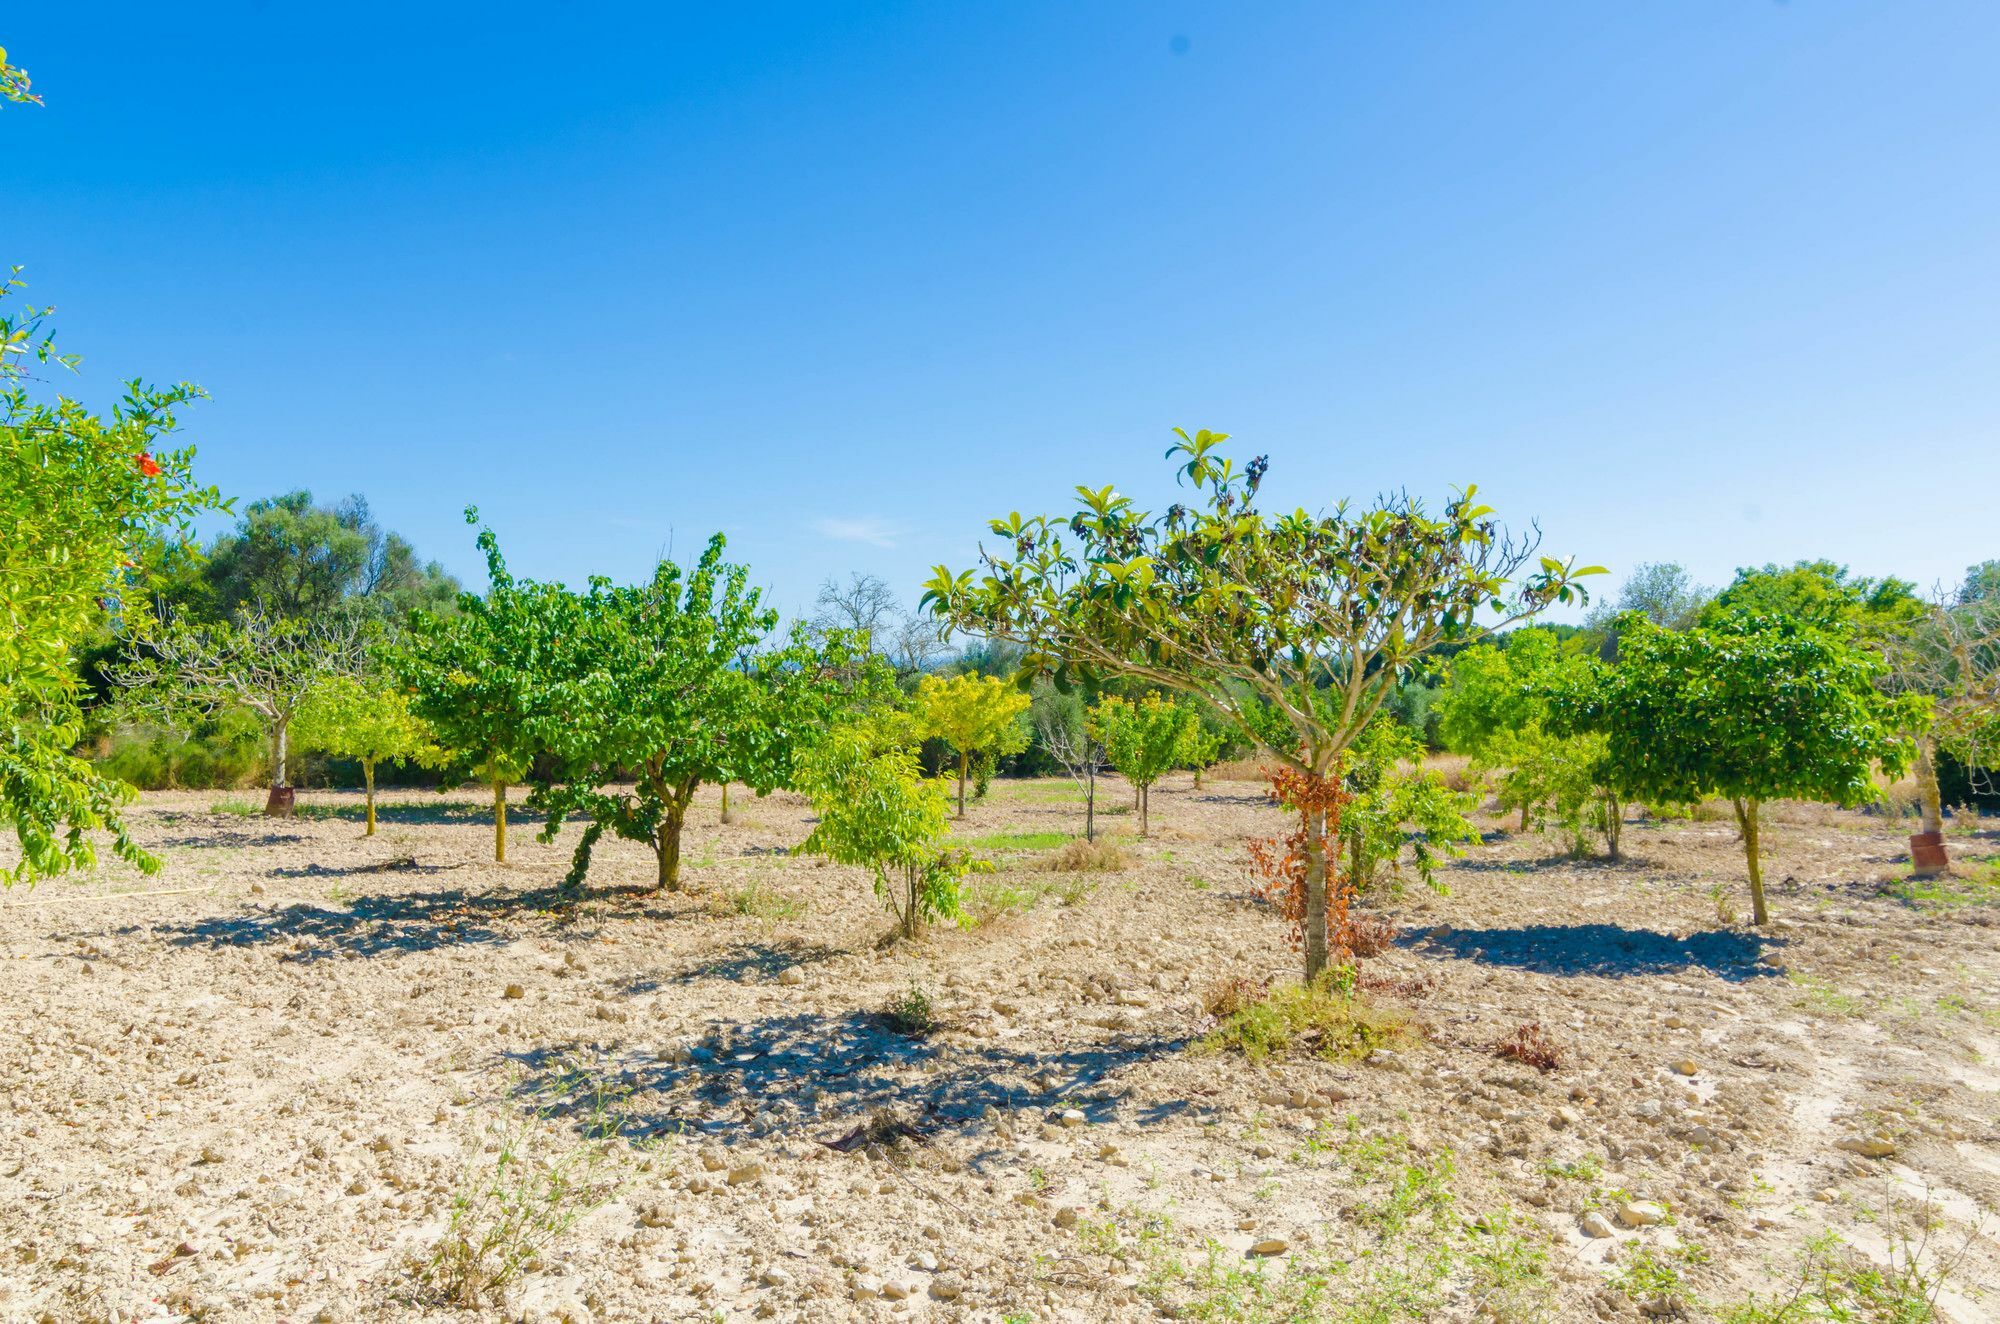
x,y
148,466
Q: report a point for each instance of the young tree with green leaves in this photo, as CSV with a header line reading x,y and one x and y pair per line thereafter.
x,y
670,682
474,677
367,719
1143,740
1750,708
263,664
1313,617
974,715
1394,801
878,811
86,503
1201,746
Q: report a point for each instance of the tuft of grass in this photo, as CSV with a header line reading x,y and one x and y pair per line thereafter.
x,y
1231,994
1977,884
1819,995
757,901
506,1212
1833,1282
988,899
912,1013
1080,856
238,805
1326,1018
1012,841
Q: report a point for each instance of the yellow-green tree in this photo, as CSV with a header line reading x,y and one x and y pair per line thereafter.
x,y
367,719
972,714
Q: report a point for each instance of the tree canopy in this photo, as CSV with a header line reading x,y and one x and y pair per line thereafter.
x,y
294,559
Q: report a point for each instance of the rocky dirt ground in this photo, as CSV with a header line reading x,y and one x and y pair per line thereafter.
x,y
305,1075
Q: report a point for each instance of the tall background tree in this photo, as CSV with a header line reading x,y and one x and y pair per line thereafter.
x,y
296,560
1296,627
865,604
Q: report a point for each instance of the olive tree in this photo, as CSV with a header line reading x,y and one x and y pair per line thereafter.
x,y
264,664
1747,707
974,715
670,683
86,500
1314,616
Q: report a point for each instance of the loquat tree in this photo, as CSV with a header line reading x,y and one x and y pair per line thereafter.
x,y
1314,617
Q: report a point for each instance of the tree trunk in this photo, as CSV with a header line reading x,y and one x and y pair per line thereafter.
x,y
1927,785
1614,827
279,803
368,782
909,916
726,817
1145,807
1316,954
1524,815
964,764
667,844
500,822
1746,817
1090,808
1197,779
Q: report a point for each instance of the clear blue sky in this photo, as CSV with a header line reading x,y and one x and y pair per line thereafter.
x,y
1710,282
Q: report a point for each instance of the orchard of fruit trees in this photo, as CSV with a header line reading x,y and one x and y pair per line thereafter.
x,y
1146,641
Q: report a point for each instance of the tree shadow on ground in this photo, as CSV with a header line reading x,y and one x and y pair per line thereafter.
x,y
1605,950
225,840
403,864
814,1076
741,962
1559,860
400,922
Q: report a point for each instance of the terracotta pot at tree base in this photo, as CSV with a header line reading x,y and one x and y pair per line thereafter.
x,y
279,803
1927,853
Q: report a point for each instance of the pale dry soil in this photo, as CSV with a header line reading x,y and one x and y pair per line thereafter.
x,y
256,1093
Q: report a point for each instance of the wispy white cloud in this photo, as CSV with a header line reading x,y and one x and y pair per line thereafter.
x,y
874,531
